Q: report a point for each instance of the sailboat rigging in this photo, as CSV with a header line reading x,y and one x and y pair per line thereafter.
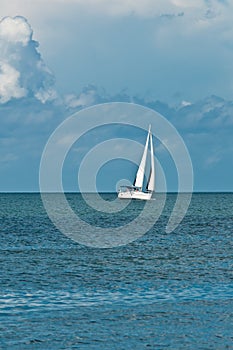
x,y
136,190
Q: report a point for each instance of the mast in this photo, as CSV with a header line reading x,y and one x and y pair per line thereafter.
x,y
141,170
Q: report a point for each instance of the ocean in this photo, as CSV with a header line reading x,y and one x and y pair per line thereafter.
x,y
161,291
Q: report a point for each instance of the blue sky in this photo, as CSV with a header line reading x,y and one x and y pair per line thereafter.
x,y
60,56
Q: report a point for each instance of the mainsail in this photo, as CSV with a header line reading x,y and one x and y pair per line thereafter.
x,y
141,170
151,182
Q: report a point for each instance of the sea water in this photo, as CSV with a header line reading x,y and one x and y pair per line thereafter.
x,y
162,291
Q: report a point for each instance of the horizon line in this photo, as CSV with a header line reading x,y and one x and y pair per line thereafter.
x,y
104,192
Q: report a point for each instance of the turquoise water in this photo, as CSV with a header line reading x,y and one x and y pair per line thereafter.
x,y
163,291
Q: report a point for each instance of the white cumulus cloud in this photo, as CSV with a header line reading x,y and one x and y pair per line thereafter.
x,y
9,83
22,70
15,30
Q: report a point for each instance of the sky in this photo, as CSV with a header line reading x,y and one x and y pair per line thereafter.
x,y
57,57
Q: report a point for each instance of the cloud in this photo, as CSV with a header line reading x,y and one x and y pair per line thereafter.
x,y
15,30
185,103
146,8
189,45
196,9
87,97
10,85
111,8
22,70
166,46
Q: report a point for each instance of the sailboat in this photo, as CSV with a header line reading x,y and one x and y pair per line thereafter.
x,y
136,190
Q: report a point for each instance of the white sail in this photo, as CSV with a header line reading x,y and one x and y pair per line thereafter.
x,y
151,183
136,191
141,170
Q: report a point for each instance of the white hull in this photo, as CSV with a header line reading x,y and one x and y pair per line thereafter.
x,y
135,195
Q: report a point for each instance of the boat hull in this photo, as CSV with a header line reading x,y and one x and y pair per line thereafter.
x,y
135,195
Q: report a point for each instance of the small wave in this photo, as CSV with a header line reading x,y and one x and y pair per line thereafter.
x,y
14,302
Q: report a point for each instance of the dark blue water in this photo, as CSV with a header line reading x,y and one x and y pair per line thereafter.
x,y
163,291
